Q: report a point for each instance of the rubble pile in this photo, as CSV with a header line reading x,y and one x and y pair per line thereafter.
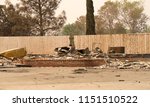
x,y
115,63
16,56
67,53
62,53
5,62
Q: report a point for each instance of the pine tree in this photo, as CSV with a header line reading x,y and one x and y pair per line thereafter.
x,y
43,11
12,22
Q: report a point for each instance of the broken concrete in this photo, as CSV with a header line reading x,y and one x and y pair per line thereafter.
x,y
125,64
62,51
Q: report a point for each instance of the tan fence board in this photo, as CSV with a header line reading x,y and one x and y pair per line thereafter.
x,y
134,44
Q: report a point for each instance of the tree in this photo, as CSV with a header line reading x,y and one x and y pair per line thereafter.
x,y
90,21
81,25
132,16
43,11
116,18
108,14
70,29
12,23
76,28
100,25
5,26
123,17
119,28
148,29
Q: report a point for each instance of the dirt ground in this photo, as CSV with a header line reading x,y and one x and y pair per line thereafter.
x,y
64,78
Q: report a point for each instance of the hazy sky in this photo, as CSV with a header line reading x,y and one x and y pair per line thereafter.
x,y
76,8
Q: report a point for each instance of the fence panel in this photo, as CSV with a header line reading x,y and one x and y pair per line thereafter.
x,y
134,44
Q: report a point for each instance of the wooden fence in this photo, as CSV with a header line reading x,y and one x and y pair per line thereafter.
x,y
134,44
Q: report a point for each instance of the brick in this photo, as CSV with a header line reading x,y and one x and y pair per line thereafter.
x,y
65,63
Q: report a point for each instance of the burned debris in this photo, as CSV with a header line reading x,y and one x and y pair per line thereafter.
x,y
61,51
116,50
115,58
11,57
85,51
125,64
66,51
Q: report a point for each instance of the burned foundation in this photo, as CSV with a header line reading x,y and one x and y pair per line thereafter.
x,y
79,58
65,63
